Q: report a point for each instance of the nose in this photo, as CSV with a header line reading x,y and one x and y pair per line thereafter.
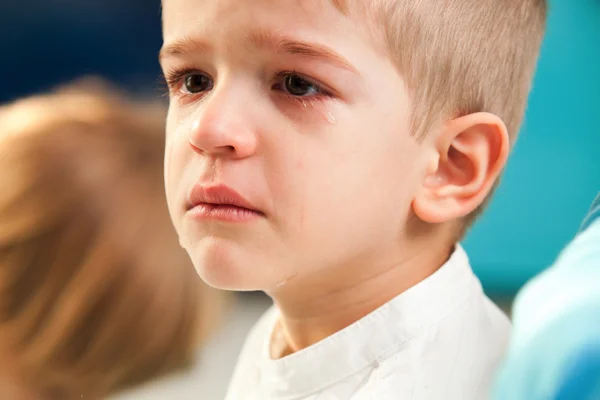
x,y
222,127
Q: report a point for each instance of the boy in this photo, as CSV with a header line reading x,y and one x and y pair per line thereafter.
x,y
331,154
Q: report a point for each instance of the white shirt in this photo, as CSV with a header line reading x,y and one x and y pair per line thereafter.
x,y
440,340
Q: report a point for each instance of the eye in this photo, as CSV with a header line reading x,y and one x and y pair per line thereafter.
x,y
197,83
300,87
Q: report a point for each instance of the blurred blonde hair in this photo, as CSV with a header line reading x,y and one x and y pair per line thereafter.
x,y
95,293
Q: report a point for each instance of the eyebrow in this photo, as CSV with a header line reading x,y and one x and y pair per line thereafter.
x,y
182,47
267,41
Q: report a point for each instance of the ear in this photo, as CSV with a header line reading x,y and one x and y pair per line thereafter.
x,y
470,153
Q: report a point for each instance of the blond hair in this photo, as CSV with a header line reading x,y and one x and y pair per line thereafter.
x,y
95,293
459,57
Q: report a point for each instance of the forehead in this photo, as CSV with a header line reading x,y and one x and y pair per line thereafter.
x,y
189,16
217,19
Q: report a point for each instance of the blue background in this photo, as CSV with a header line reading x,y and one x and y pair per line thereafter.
x,y
554,173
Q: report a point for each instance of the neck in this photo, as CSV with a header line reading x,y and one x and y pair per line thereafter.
x,y
312,311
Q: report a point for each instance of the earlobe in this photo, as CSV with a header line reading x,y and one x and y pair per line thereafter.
x,y
471,152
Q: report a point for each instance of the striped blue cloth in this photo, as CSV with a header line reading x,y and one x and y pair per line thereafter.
x,y
555,346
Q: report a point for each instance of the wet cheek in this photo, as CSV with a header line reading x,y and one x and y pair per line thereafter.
x,y
300,163
287,170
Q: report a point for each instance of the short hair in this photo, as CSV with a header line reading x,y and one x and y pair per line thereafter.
x,y
96,295
459,57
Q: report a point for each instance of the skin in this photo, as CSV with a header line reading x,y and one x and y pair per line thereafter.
x,y
354,209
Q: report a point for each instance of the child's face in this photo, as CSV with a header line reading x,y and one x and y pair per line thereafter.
x,y
318,143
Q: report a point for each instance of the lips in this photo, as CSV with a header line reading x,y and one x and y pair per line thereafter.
x,y
220,202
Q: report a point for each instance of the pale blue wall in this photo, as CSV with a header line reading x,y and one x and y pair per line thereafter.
x,y
554,173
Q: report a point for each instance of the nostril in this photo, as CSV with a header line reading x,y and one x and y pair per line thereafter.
x,y
225,149
195,148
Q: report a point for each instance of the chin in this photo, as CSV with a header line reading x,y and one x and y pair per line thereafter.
x,y
225,266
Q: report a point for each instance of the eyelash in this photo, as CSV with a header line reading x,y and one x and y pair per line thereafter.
x,y
320,95
173,80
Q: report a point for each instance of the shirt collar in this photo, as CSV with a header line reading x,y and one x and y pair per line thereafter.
x,y
375,337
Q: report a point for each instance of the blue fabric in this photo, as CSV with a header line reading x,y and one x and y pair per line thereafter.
x,y
555,348
561,362
593,215
582,379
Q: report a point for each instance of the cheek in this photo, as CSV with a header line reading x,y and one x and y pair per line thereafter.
x,y
176,156
355,192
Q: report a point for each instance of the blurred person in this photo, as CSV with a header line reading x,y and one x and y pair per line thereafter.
x,y
555,347
96,295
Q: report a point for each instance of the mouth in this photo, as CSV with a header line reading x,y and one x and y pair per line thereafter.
x,y
220,203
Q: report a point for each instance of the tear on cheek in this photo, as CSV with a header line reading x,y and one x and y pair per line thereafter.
x,y
311,107
330,118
